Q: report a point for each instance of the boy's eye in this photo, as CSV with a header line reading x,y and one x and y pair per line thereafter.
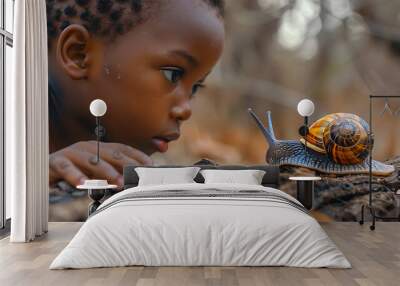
x,y
173,74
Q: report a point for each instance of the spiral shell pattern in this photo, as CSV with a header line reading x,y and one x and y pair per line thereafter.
x,y
342,136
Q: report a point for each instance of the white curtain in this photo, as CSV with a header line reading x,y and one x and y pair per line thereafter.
x,y
27,148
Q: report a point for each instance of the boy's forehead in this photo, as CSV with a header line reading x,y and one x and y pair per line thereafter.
x,y
181,25
184,20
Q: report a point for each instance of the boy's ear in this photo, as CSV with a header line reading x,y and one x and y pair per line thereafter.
x,y
73,51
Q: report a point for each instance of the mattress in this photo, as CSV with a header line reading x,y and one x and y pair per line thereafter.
x,y
201,225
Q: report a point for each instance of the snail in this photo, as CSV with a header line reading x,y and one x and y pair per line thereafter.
x,y
337,143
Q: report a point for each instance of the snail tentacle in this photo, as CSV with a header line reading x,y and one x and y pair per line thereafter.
x,y
270,126
268,135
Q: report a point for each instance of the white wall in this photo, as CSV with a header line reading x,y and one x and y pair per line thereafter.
x,y
9,61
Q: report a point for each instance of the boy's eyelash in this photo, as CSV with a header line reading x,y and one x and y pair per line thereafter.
x,y
200,85
196,87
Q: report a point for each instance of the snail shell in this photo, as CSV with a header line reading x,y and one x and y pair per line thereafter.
x,y
342,136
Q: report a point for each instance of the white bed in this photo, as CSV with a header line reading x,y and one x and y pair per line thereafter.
x,y
139,227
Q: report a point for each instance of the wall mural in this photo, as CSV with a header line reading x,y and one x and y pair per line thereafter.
x,y
273,54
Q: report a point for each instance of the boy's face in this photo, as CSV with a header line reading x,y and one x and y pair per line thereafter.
x,y
147,76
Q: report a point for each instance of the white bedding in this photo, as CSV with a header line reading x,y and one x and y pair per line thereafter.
x,y
183,231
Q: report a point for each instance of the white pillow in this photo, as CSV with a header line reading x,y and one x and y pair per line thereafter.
x,y
162,176
248,177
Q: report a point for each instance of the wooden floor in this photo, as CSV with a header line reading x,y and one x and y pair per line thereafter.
x,y
375,257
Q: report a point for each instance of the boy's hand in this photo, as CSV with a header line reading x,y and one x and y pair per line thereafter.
x,y
76,163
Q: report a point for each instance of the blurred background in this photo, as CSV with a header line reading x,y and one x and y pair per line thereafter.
x,y
335,52
277,52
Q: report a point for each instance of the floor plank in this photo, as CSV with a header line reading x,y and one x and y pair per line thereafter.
x,y
375,257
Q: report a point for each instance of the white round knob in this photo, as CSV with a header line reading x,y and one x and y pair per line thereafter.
x,y
305,107
98,107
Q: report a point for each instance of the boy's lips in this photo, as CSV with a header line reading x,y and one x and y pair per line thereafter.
x,y
161,142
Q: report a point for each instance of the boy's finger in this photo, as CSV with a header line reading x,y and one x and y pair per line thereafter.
x,y
98,170
117,159
66,170
136,155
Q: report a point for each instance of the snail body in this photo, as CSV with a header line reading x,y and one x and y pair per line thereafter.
x,y
337,144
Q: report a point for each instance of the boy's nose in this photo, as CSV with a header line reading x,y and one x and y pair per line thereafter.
x,y
182,111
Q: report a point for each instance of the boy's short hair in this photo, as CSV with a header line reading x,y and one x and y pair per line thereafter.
x,y
104,17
